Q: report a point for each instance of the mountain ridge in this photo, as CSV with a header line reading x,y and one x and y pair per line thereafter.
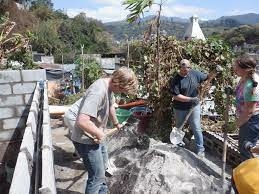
x,y
176,26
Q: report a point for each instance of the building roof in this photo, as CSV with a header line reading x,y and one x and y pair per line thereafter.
x,y
194,31
50,66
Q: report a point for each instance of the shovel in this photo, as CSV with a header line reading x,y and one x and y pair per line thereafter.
x,y
111,168
177,134
108,133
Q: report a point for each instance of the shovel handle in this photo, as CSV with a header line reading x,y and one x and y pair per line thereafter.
x,y
111,131
186,118
115,129
108,133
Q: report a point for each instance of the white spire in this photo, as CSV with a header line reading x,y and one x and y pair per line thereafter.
x,y
194,31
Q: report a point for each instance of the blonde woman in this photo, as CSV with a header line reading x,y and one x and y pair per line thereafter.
x,y
89,115
247,102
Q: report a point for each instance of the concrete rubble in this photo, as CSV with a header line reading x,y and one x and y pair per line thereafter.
x,y
144,165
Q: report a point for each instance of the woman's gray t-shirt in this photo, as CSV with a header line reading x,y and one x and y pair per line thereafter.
x,y
95,103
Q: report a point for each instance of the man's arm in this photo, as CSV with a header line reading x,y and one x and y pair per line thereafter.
x,y
84,122
211,76
183,98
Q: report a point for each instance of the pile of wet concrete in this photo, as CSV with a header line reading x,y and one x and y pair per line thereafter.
x,y
144,165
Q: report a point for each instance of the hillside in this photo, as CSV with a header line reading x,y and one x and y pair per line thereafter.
x,y
250,18
176,26
24,20
121,30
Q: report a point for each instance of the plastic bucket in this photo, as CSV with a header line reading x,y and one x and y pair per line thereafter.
x,y
143,114
122,114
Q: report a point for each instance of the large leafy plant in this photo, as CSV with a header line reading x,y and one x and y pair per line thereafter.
x,y
10,43
91,69
204,55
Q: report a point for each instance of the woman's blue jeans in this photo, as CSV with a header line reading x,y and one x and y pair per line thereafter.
x,y
195,124
248,132
95,160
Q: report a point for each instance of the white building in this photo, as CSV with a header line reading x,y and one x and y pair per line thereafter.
x,y
194,31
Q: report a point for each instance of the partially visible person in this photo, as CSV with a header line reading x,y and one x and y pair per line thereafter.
x,y
184,88
247,102
245,177
89,115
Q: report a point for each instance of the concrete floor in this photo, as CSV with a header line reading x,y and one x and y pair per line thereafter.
x,y
69,170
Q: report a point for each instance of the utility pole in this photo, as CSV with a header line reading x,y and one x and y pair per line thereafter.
x,y
62,60
83,75
127,52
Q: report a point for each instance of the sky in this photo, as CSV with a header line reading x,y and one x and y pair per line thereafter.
x,y
113,10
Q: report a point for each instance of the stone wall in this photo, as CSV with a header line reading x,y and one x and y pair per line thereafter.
x,y
16,92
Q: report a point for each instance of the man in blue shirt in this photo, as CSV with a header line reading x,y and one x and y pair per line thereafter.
x,y
184,88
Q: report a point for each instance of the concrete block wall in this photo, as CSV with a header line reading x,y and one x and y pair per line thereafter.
x,y
16,89
21,181
215,145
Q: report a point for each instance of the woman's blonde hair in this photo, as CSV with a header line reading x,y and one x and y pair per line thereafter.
x,y
126,79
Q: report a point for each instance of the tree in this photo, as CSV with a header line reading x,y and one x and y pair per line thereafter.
x,y
43,12
136,8
92,70
10,43
41,3
23,56
47,39
205,55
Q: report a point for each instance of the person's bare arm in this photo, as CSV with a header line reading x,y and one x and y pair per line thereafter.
x,y
113,117
182,98
255,150
84,122
249,108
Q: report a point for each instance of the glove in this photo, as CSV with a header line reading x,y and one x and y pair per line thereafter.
x,y
194,100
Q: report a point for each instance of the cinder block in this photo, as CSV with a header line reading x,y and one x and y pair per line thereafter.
x,y
46,100
36,94
14,123
31,122
22,110
33,75
11,100
27,145
5,89
34,108
24,88
46,117
10,76
7,113
21,179
6,135
28,98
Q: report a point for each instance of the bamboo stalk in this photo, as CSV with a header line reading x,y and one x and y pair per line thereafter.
x,y
225,135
